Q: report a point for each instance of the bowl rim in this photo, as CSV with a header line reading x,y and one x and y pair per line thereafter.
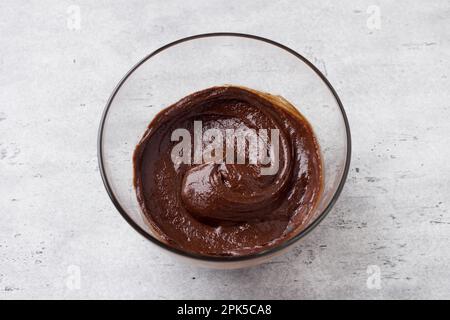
x,y
224,259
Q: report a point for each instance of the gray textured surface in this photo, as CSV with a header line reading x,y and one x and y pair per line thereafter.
x,y
393,213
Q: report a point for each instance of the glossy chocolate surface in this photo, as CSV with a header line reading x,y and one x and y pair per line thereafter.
x,y
221,208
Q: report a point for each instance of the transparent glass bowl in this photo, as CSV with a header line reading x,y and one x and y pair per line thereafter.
x,y
198,62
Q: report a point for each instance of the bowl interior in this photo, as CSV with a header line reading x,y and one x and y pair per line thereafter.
x,y
190,65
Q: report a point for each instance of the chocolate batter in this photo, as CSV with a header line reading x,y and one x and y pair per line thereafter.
x,y
219,208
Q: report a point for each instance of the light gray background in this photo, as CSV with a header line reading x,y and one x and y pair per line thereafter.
x,y
393,212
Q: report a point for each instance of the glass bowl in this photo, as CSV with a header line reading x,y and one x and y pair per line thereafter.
x,y
202,61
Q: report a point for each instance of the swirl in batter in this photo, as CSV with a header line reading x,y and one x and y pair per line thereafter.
x,y
217,207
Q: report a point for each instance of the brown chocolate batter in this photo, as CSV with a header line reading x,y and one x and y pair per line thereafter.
x,y
216,207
